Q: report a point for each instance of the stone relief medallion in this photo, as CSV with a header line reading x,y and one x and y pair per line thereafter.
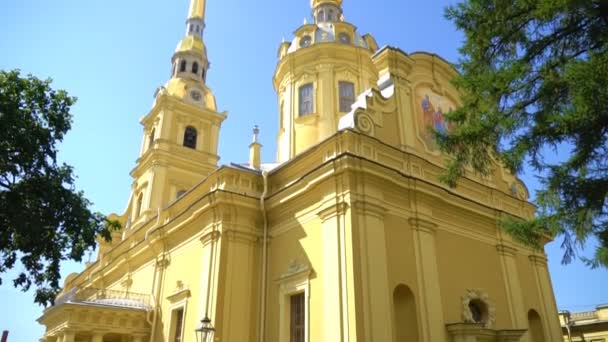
x,y
478,308
431,108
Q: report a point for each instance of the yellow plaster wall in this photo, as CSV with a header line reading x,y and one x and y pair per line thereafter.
x,y
463,264
300,243
400,253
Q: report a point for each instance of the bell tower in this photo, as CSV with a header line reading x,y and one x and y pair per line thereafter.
x,y
181,131
318,77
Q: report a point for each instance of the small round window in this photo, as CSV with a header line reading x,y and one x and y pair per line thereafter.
x,y
305,41
344,38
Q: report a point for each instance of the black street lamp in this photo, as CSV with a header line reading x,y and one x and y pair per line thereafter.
x,y
205,331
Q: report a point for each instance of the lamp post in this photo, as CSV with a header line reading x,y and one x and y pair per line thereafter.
x,y
205,331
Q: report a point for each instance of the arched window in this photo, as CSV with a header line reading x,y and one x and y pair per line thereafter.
x,y
306,99
535,327
151,138
140,201
195,68
405,316
321,16
347,96
182,66
190,136
204,74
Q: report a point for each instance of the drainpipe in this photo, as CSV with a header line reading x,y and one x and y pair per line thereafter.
x,y
154,295
264,258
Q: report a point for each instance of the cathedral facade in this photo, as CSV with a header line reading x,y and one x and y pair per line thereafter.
x,y
349,236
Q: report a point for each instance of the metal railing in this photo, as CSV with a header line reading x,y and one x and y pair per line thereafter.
x,y
579,316
106,297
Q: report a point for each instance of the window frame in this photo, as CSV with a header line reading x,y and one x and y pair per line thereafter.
x,y
293,319
187,140
151,138
311,101
178,301
294,283
177,328
342,99
139,204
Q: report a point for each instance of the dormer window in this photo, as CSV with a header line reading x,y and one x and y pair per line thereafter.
x,y
344,38
305,41
190,136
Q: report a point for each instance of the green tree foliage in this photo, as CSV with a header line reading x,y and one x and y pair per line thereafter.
x,y
534,78
43,220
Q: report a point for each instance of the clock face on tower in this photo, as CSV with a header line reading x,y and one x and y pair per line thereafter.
x,y
195,95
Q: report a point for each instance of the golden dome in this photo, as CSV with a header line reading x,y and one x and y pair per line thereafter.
x,y
315,3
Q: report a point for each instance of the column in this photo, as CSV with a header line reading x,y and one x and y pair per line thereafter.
x,y
68,336
550,318
335,306
374,273
138,338
515,297
97,336
429,291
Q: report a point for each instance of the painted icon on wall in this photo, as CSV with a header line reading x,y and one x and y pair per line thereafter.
x,y
432,110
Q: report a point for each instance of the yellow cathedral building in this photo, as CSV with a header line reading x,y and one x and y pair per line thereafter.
x,y
349,236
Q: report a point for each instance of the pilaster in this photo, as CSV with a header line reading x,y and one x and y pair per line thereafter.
x,y
374,273
429,291
334,274
97,336
513,290
68,336
551,326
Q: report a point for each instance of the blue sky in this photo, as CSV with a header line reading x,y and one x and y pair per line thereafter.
x,y
113,54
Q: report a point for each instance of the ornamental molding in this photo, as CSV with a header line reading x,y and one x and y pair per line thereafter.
x,y
295,269
423,225
180,293
506,250
332,211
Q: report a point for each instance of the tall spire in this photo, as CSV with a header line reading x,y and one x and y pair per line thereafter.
x,y
326,10
197,9
315,3
190,58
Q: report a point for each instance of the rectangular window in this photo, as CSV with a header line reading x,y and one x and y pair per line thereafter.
x,y
306,99
178,319
297,318
347,96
